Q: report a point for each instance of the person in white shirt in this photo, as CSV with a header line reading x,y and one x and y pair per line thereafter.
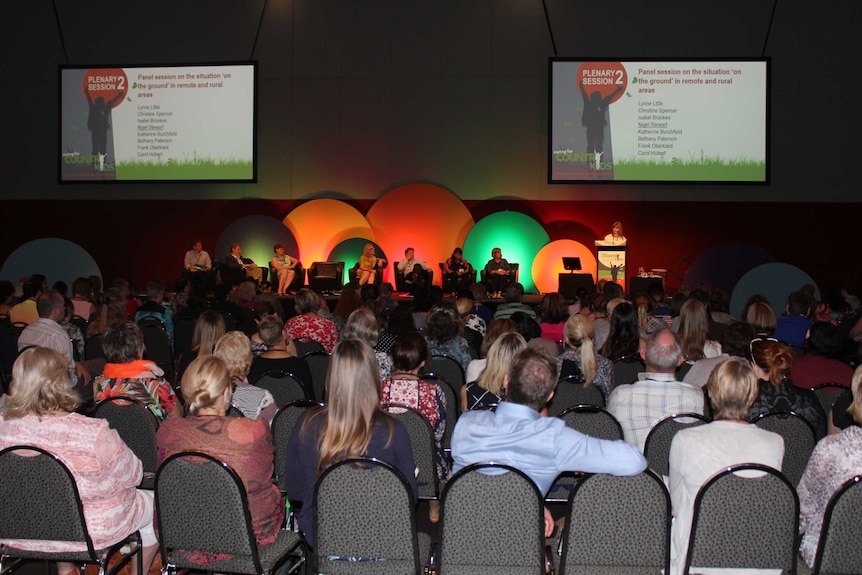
x,y
616,237
414,270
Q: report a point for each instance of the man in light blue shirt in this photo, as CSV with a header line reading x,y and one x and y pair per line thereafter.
x,y
542,447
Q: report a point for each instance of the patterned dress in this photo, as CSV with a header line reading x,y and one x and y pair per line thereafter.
x,y
835,459
790,398
457,348
427,399
148,388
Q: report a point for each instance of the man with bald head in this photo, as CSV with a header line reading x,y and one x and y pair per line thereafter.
x,y
656,394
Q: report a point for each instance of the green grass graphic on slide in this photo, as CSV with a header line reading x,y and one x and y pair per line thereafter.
x,y
196,169
697,170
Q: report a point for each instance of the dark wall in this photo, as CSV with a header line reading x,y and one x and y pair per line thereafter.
x,y
356,97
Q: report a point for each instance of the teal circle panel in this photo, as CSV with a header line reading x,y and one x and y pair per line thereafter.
x,y
56,258
518,236
776,281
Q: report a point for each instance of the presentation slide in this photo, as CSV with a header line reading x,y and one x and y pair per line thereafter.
x,y
177,123
658,121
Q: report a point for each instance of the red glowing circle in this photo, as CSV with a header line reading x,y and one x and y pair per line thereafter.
x,y
606,78
110,84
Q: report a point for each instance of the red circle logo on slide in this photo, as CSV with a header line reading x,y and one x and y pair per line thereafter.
x,y
106,83
605,78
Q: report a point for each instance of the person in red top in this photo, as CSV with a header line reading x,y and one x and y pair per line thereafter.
x,y
309,325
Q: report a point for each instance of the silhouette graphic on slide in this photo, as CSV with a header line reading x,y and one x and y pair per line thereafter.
x,y
97,123
594,119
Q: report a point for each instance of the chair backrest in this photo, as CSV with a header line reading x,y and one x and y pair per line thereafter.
x,y
657,445
626,370
799,440
617,522
448,368
827,393
453,404
492,517
593,421
326,275
422,441
157,344
40,499
571,392
136,425
838,550
364,520
282,426
194,490
745,520
306,346
318,365
284,387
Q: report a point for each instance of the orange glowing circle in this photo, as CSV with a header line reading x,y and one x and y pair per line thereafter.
x,y
429,218
548,263
320,225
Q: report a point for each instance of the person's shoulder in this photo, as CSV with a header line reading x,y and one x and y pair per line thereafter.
x,y
253,430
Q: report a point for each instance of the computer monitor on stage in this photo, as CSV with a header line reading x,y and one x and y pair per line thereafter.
x,y
572,264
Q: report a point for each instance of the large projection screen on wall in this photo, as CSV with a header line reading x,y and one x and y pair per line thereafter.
x,y
642,121
158,123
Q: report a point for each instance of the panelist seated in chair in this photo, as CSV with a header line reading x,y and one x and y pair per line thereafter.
x,y
457,271
414,271
198,267
497,272
369,265
284,267
241,267
41,408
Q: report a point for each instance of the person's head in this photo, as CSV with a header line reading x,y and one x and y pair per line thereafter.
x,y
752,299
479,291
409,253
526,326
500,356
369,292
824,340
599,305
624,336
69,309
40,280
123,343
577,331
409,353
532,378
40,384
368,250
197,246
209,327
719,301
761,317
82,287
693,329
442,325
262,309
235,249
617,229
513,292
855,409
496,253
736,337
348,300
352,402
51,305
496,329
554,309
457,254
156,291
278,249
386,289
732,388
612,290
234,349
123,286
206,384
362,325
60,287
307,301
774,359
465,309
246,291
271,331
401,321
662,352
799,303
29,290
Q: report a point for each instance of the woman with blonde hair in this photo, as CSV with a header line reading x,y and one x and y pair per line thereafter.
x,y
835,459
580,356
496,328
40,412
772,362
209,327
350,424
234,349
487,390
368,265
243,443
694,333
698,453
761,316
